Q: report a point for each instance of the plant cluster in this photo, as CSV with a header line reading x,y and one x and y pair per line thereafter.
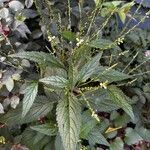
x,y
72,79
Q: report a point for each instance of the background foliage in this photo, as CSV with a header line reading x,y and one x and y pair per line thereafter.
x,y
71,77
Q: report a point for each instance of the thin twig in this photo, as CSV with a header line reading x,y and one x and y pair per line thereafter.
x,y
130,61
138,66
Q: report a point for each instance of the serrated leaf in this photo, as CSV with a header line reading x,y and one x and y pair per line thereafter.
x,y
31,137
29,97
41,58
95,137
99,99
117,144
110,75
28,3
89,130
68,118
55,81
86,128
88,123
47,129
132,137
89,68
124,10
120,99
101,44
40,108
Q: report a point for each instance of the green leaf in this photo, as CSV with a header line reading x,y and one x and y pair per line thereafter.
x,y
117,144
127,6
58,143
90,130
122,12
121,120
95,137
40,108
101,44
72,74
32,140
99,99
112,4
29,97
88,123
144,133
85,52
69,35
110,75
120,99
132,137
68,118
41,58
55,81
47,129
89,68
38,138
122,16
86,128
1,109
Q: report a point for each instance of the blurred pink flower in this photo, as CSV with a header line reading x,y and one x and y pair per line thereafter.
x,y
147,53
4,30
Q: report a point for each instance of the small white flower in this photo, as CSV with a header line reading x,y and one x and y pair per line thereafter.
x,y
104,84
51,38
80,41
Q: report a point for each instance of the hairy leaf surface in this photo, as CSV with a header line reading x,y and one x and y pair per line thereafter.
x,y
99,99
111,75
55,81
88,123
47,129
68,118
89,68
101,44
40,108
29,97
40,57
121,100
96,137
